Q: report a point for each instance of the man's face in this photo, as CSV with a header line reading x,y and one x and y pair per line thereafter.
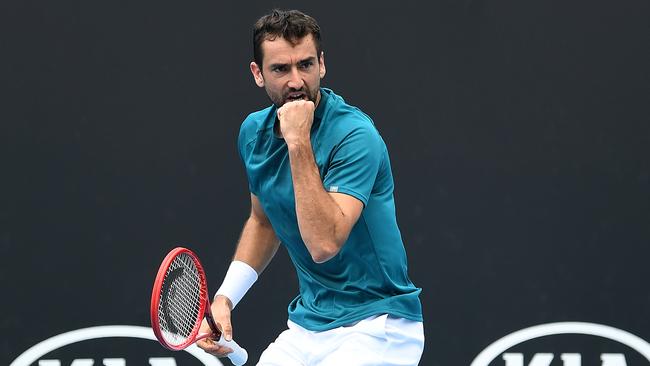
x,y
290,72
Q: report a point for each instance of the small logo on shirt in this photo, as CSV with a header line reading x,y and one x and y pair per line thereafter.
x,y
334,188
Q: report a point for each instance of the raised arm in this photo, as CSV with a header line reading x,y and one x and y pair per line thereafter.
x,y
324,219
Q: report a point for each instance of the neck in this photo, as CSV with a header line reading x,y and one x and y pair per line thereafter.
x,y
317,98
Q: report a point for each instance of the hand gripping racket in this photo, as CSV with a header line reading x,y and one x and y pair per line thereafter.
x,y
179,301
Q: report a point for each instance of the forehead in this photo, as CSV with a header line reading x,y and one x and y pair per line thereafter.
x,y
279,50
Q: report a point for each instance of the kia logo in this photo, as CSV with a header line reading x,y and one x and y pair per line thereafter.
x,y
623,341
67,340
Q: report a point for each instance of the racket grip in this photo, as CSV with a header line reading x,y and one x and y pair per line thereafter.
x,y
239,356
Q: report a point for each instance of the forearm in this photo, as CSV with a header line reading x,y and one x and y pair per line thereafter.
x,y
320,218
257,244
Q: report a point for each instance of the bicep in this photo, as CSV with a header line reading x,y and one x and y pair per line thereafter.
x,y
351,208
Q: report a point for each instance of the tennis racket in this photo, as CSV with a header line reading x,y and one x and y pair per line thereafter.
x,y
180,300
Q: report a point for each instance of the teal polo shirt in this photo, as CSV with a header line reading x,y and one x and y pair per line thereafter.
x,y
369,274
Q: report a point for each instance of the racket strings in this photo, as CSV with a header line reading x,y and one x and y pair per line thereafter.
x,y
180,300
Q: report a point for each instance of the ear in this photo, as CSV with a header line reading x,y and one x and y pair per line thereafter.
x,y
321,64
257,74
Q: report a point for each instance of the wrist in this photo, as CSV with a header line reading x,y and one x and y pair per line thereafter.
x,y
239,279
222,300
298,144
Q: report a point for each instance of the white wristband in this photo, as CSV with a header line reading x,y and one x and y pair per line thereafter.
x,y
239,278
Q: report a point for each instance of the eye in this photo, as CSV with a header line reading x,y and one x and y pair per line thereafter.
x,y
306,64
279,68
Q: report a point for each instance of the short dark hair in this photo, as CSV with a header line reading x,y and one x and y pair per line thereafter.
x,y
291,25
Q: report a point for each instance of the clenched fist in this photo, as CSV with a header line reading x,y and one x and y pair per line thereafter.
x,y
296,119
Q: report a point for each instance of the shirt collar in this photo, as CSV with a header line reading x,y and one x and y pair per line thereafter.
x,y
322,104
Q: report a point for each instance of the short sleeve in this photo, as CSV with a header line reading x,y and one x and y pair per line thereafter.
x,y
355,163
244,141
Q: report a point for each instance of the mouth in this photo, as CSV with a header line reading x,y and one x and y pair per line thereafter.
x,y
291,97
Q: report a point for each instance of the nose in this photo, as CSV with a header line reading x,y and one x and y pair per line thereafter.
x,y
295,79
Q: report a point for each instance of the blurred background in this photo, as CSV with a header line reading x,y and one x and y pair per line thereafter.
x,y
518,132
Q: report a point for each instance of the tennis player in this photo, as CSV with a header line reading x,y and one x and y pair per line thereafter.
x,y
321,184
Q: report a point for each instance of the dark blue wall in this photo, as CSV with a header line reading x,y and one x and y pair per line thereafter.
x,y
518,133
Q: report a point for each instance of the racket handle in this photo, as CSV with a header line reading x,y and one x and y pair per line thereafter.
x,y
239,356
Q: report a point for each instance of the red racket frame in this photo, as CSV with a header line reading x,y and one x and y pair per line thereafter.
x,y
205,305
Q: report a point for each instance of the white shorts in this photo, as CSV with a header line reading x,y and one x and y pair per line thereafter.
x,y
378,340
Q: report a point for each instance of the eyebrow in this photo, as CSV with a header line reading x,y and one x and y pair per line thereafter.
x,y
308,59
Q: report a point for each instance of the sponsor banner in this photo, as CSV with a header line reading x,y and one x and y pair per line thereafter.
x,y
111,345
566,344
